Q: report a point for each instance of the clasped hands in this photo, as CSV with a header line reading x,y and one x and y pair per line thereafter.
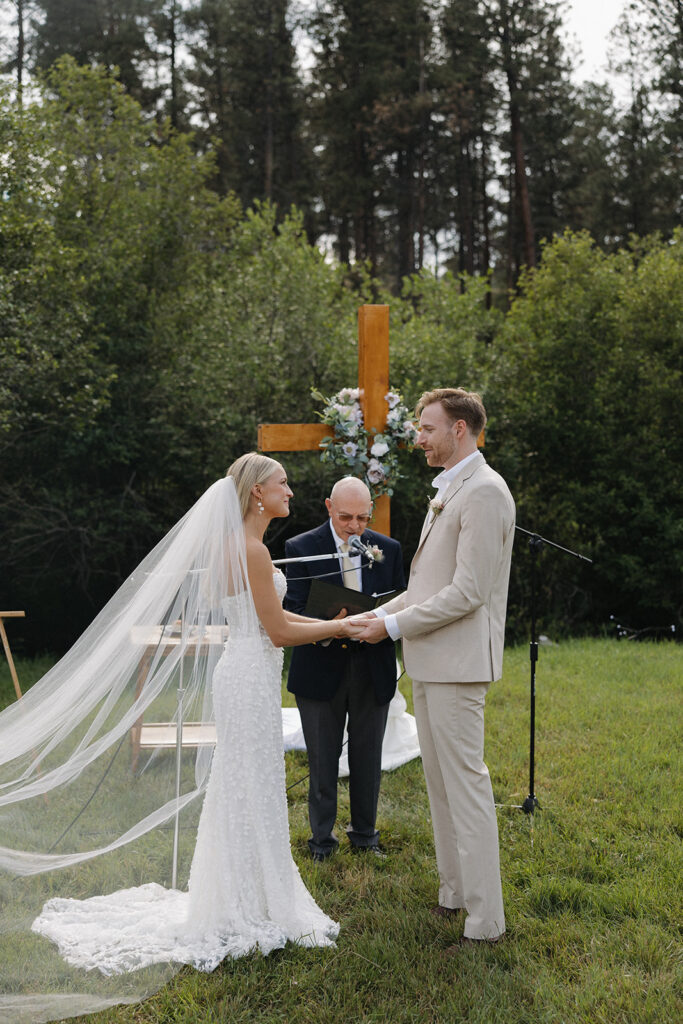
x,y
367,627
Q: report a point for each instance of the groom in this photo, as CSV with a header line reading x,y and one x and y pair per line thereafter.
x,y
452,620
344,677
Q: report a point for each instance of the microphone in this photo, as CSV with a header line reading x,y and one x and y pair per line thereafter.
x,y
357,547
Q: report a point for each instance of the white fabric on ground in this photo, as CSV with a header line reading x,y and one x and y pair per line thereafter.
x,y
400,739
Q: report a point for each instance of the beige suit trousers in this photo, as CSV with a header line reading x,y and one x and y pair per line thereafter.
x,y
450,727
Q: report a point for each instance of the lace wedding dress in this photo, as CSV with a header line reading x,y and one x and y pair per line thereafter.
x,y
245,891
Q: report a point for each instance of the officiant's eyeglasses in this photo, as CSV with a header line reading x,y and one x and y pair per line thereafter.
x,y
346,517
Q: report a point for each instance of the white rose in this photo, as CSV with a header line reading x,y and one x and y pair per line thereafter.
x,y
379,449
347,394
375,472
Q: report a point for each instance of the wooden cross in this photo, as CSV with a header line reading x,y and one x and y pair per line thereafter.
x,y
373,383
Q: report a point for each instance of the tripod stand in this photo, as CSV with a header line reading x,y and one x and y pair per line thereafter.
x,y
536,543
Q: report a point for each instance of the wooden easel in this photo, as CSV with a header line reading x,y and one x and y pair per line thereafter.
x,y
164,734
8,653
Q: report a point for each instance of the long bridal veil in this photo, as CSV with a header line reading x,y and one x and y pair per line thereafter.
x,y
99,788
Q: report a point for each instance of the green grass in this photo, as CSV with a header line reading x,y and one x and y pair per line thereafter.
x,y
591,882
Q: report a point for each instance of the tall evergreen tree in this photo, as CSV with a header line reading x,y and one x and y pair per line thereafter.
x,y
548,109
591,190
649,41
346,80
512,28
248,98
661,21
372,118
15,52
505,106
467,104
114,33
169,73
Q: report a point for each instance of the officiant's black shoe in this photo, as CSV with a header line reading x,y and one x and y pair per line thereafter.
x,y
372,851
322,849
318,857
465,942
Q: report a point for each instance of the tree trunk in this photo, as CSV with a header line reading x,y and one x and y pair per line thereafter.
x,y
521,183
21,46
421,164
485,214
174,84
517,146
406,240
343,240
466,208
268,158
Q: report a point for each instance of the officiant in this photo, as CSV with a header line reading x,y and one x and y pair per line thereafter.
x,y
341,679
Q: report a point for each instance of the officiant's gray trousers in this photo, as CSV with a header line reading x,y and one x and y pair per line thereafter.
x,y
323,727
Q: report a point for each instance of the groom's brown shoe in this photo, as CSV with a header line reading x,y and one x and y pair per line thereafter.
x,y
445,913
464,941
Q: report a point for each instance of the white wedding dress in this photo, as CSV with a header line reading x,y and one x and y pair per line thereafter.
x,y
245,891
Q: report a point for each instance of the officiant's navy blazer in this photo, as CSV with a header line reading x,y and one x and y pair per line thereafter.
x,y
316,671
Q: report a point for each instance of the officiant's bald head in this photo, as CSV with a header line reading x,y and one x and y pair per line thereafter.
x,y
351,487
349,506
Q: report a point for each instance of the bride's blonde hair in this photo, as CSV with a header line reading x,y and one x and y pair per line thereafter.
x,y
248,471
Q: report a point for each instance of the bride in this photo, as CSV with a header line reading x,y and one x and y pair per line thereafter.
x,y
67,780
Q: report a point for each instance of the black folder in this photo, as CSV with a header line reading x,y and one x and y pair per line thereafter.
x,y
326,600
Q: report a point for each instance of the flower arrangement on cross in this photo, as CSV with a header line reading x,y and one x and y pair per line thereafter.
x,y
349,446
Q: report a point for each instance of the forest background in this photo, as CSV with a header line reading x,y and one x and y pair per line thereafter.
x,y
190,218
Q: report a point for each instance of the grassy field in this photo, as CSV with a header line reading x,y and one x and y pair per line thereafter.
x,y
592,882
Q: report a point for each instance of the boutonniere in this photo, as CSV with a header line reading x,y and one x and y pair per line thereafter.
x,y
375,553
436,505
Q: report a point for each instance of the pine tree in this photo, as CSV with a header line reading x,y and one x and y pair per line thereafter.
x,y
534,71
590,197
249,99
166,24
649,38
16,52
113,33
371,116
467,104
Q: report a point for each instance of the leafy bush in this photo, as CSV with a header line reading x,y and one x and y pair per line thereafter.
x,y
147,327
589,428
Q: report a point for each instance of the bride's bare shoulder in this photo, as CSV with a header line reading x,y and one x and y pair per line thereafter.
x,y
258,556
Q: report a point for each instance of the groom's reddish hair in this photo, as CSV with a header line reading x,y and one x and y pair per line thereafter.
x,y
458,404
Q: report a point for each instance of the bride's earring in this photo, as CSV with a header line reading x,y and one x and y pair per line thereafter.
x,y
259,505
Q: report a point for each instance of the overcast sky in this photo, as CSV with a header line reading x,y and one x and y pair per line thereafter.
x,y
591,21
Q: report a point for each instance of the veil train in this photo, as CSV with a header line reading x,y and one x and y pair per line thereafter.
x,y
92,801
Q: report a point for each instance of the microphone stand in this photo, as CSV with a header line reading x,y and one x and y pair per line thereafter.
x,y
536,543
319,558
303,558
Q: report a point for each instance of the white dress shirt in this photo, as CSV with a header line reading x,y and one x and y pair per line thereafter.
x,y
355,559
442,482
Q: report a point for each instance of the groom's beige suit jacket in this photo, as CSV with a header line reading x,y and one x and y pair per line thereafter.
x,y
452,616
